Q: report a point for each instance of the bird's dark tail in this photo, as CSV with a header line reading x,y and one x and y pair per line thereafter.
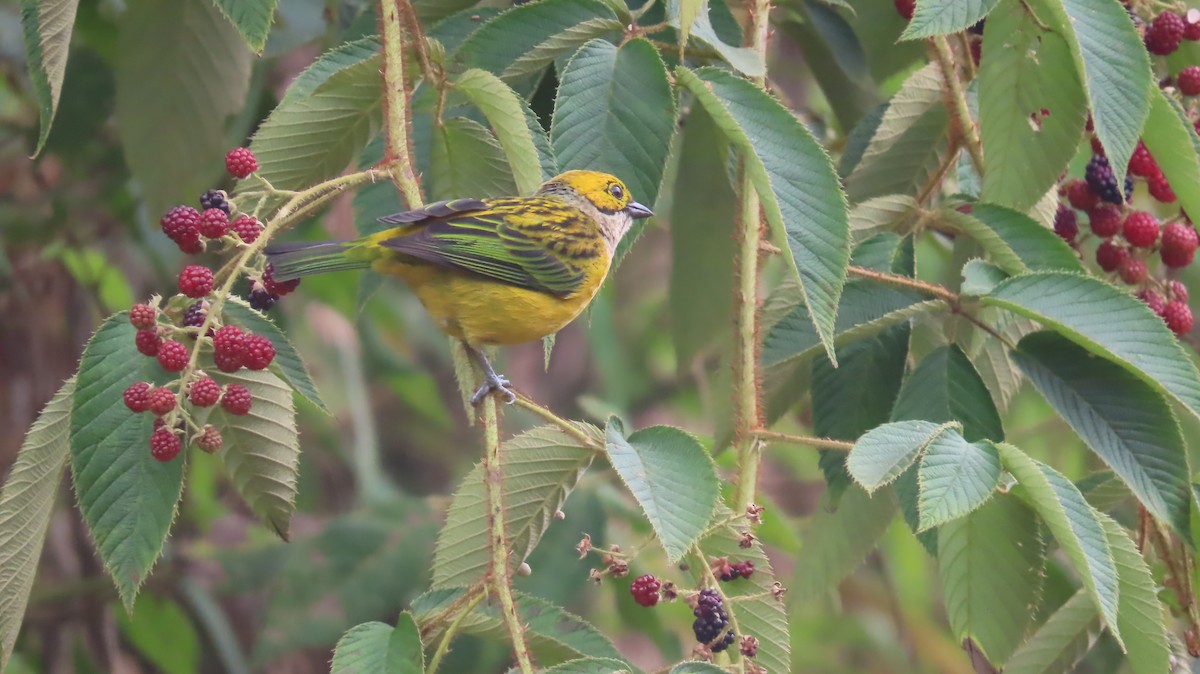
x,y
296,260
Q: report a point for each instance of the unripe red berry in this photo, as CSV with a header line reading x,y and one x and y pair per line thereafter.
x,y
210,440
906,8
204,392
196,281
214,223
645,590
1105,220
1165,33
1153,300
236,400
137,396
228,348
181,223
164,445
247,228
1066,224
143,316
1178,317
1177,290
1191,29
1142,163
1140,229
1189,81
173,356
240,162
1110,256
258,352
161,401
148,342
1081,196
1133,270
274,287
1179,243
746,568
1160,188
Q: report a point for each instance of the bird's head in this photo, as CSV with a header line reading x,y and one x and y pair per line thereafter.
x,y
603,196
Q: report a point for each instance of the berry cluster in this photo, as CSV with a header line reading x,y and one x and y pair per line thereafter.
x,y
711,621
190,228
1167,30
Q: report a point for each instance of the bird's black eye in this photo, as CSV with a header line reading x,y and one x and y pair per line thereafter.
x,y
616,191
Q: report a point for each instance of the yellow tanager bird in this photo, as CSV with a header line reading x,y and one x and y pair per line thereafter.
x,y
491,271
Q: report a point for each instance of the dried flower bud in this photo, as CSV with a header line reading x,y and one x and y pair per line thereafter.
x,y
618,569
778,590
745,539
748,646
754,513
668,591
585,546
702,652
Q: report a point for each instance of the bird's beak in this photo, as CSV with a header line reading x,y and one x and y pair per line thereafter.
x,y
637,210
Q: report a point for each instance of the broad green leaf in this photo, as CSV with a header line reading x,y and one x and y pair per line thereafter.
x,y
992,357
1107,322
1140,615
686,13
324,120
881,454
1109,54
505,112
695,667
909,143
990,564
589,666
504,40
541,466
837,540
671,476
1015,241
26,503
743,59
181,69
378,648
467,160
895,212
1061,641
980,278
46,26
127,498
287,363
945,387
252,18
940,17
859,139
261,450
955,478
1170,137
563,43
1125,421
1075,525
1032,106
794,178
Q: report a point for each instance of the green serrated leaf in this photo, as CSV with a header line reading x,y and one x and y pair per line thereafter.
x,y
1061,641
1171,139
991,356
541,466
467,160
1108,322
980,278
941,17
504,40
1032,105
945,387
1075,525
46,27
696,668
743,59
671,476
287,363
252,18
990,564
181,69
886,451
1125,421
837,540
955,477
1143,622
378,648
589,666
127,498
800,192
26,503
1014,241
559,45
505,112
686,14
261,450
892,213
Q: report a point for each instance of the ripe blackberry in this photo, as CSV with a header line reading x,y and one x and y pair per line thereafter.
x,y
1066,223
173,356
137,396
707,600
906,8
143,316
237,400
1142,164
214,223
164,445
257,352
1153,300
708,627
180,223
247,228
210,440
724,643
1105,220
195,281
279,288
160,401
1177,291
1080,195
1109,256
1179,243
262,300
1160,189
228,348
148,342
645,590
1140,229
1133,270
193,316
1178,317
215,199
240,162
1100,178
1165,33
204,392
730,572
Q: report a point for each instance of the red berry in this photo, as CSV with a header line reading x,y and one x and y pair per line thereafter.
x,y
164,445
976,46
1165,33
1177,290
1140,229
1133,270
160,401
274,287
746,568
196,281
1160,189
247,228
204,392
1191,29
1080,195
143,316
236,400
181,223
137,396
173,356
1189,80
240,162
148,342
192,246
1179,243
210,440
1178,317
645,590
1142,163
1153,300
1097,148
228,348
1066,223
1105,220
258,352
214,223
1110,256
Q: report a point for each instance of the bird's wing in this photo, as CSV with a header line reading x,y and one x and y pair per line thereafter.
x,y
500,242
434,211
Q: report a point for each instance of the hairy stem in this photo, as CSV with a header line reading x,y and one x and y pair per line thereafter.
x,y
395,99
905,282
566,426
745,374
819,443
959,110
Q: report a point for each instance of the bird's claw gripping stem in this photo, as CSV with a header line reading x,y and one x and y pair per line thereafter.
x,y
491,380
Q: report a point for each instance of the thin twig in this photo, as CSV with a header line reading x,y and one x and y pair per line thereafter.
x,y
935,180
819,443
930,289
433,76
444,644
959,110
566,426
